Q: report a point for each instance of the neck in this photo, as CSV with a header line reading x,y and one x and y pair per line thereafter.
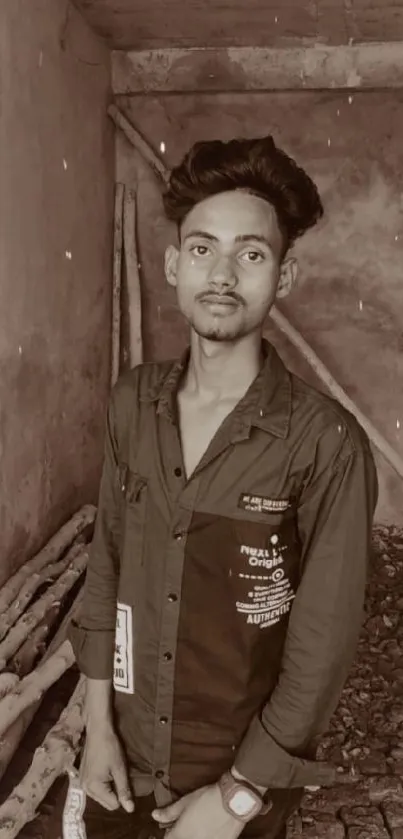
x,y
220,370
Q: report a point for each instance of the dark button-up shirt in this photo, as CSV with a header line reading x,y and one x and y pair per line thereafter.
x,y
227,607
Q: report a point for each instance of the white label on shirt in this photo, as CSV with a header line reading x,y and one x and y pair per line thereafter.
x,y
123,679
262,504
265,604
73,822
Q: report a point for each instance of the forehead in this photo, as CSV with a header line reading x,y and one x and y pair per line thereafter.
x,y
233,213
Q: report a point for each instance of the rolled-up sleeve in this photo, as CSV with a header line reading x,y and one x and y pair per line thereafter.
x,y
93,634
335,518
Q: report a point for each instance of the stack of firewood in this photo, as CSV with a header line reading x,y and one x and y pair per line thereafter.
x,y
36,606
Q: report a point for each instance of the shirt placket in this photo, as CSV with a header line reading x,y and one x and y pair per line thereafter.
x,y
182,513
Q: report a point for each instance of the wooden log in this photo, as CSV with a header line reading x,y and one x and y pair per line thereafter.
x,y
61,633
50,553
31,585
133,276
32,687
11,740
326,377
8,681
56,756
135,138
248,69
24,660
32,617
117,281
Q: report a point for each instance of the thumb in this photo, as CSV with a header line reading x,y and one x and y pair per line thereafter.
x,y
171,813
122,788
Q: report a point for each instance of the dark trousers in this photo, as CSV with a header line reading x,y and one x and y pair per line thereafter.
x,y
117,824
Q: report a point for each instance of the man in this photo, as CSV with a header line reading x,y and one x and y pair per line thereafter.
x,y
224,594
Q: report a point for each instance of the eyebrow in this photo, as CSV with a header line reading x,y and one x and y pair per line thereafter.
x,y
244,237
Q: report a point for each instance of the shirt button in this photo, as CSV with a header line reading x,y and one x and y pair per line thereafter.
x,y
163,720
172,598
178,472
167,656
159,773
178,535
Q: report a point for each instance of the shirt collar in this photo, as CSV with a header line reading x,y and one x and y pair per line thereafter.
x,y
267,403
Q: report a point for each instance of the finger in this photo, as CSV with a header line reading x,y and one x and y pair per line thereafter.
x,y
123,790
170,814
102,793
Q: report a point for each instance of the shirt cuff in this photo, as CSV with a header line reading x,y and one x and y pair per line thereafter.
x,y
93,650
263,762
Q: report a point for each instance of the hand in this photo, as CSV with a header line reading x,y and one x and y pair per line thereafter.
x,y
199,815
102,763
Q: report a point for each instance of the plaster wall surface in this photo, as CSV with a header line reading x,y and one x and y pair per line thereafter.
x,y
157,24
349,302
56,207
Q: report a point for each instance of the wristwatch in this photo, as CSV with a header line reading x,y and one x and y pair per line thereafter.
x,y
241,799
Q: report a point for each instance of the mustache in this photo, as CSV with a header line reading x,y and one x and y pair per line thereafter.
x,y
232,297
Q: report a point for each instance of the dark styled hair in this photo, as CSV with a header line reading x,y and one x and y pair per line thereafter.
x,y
256,166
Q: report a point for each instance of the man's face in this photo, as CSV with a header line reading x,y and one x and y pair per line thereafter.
x,y
228,270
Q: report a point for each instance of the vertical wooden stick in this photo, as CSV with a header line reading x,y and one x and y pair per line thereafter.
x,y
133,277
117,280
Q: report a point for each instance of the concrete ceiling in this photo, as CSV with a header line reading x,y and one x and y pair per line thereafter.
x,y
158,24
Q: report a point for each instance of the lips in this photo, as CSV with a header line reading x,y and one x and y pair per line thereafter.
x,y
219,299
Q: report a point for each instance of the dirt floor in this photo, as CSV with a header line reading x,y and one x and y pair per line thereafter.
x,y
365,737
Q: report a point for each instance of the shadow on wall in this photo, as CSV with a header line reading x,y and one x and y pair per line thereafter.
x,y
348,304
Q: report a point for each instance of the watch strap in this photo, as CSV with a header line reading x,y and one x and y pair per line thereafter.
x,y
267,803
229,783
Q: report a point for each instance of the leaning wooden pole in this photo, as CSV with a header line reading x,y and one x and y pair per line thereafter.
x,y
141,145
133,277
336,390
117,281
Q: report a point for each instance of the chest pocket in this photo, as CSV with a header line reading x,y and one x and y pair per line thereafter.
x,y
266,565
134,492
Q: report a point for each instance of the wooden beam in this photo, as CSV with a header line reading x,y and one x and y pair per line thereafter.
x,y
242,69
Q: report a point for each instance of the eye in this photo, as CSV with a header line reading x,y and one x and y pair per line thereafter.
x,y
253,256
199,250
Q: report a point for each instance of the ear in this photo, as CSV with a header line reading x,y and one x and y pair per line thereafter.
x,y
171,261
288,276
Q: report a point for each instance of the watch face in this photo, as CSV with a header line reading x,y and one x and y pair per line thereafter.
x,y
242,802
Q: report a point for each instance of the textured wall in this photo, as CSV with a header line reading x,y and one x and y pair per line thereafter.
x,y
349,303
157,24
56,204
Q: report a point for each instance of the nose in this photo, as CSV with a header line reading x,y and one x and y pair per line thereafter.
x,y
223,275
